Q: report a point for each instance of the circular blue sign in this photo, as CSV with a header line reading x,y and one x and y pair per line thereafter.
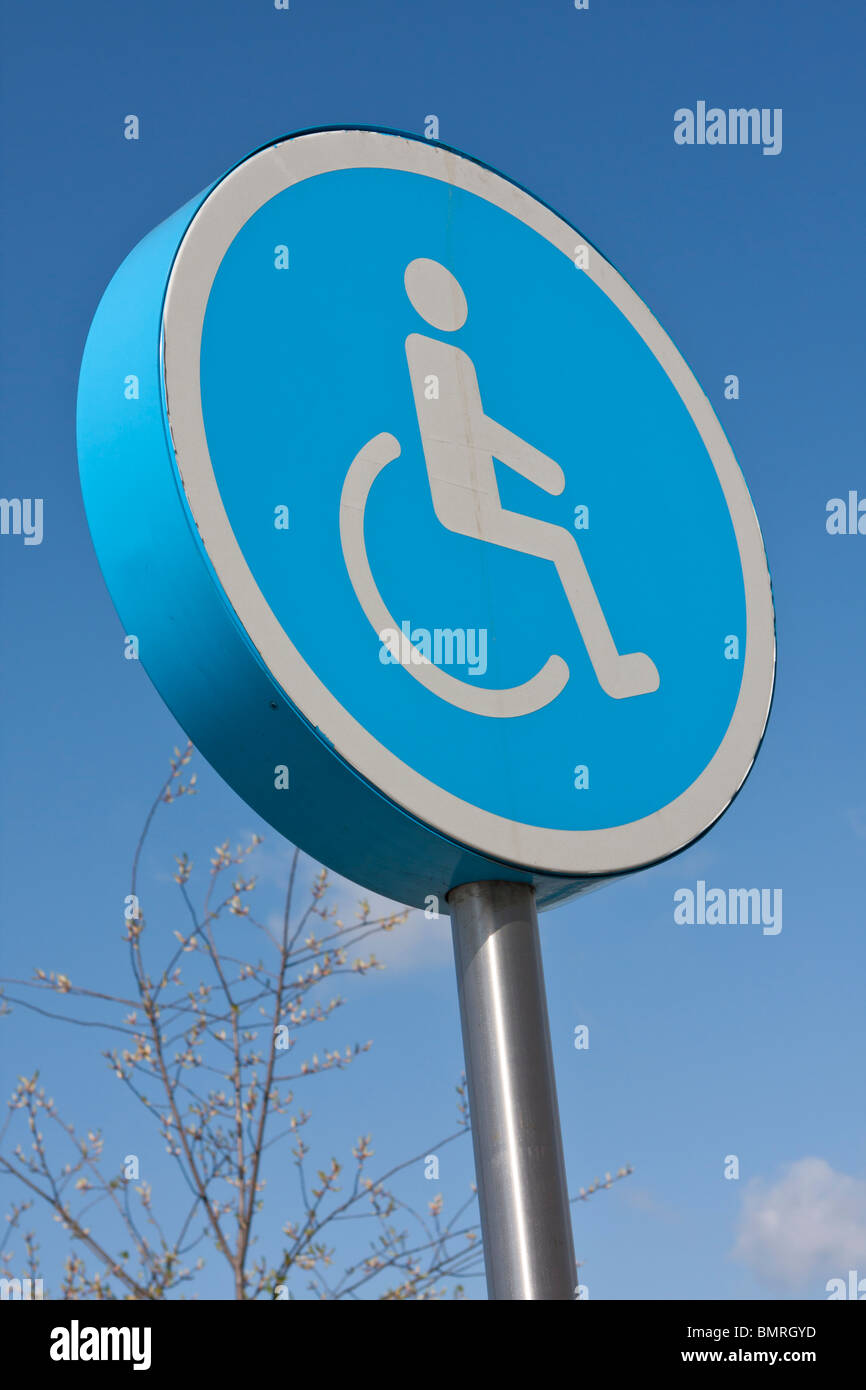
x,y
470,582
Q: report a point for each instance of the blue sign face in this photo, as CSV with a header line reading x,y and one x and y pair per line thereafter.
x,y
442,490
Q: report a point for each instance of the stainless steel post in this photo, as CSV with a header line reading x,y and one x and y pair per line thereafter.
x,y
519,1167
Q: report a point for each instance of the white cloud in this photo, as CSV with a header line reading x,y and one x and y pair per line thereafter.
x,y
418,943
810,1223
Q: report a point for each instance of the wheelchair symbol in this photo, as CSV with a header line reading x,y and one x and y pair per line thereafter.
x,y
460,443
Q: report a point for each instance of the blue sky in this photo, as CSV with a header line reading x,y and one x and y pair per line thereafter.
x,y
704,1041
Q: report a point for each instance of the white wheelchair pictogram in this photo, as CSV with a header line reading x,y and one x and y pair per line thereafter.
x,y
460,443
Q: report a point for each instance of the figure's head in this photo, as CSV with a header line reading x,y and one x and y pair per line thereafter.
x,y
435,294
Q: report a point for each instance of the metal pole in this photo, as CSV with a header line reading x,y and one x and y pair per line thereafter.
x,y
519,1167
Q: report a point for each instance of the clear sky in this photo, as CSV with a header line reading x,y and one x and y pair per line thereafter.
x,y
704,1041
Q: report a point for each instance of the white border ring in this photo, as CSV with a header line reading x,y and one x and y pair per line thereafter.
x,y
537,849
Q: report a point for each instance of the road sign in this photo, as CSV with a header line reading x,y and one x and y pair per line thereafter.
x,y
431,541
